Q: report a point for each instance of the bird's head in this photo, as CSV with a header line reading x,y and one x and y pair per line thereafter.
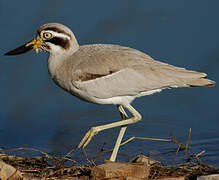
x,y
53,38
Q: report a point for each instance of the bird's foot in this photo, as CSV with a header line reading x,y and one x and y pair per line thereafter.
x,y
88,136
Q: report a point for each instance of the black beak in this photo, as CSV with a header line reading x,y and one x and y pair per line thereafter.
x,y
34,44
20,50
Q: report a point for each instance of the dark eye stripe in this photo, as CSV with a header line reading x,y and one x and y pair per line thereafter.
x,y
64,43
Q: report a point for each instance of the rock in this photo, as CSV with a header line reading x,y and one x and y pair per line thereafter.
x,y
209,177
119,170
8,172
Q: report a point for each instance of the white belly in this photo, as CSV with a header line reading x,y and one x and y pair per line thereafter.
x,y
123,100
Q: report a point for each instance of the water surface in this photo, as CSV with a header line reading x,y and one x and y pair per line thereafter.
x,y
34,112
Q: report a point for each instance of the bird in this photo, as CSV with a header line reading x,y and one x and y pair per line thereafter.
x,y
106,74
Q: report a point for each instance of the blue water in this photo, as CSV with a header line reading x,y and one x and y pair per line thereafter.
x,y
34,112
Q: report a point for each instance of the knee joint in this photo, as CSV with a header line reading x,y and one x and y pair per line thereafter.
x,y
137,118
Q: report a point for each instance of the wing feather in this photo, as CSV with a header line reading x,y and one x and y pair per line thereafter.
x,y
105,71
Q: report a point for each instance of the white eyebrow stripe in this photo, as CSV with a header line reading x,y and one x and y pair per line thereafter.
x,y
56,34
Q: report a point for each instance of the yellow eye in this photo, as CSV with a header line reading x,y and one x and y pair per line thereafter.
x,y
47,35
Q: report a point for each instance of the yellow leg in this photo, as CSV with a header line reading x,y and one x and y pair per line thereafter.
x,y
121,133
94,130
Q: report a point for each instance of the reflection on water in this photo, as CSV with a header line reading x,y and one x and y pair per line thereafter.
x,y
36,113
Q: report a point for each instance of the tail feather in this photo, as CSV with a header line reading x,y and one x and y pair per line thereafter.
x,y
201,82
